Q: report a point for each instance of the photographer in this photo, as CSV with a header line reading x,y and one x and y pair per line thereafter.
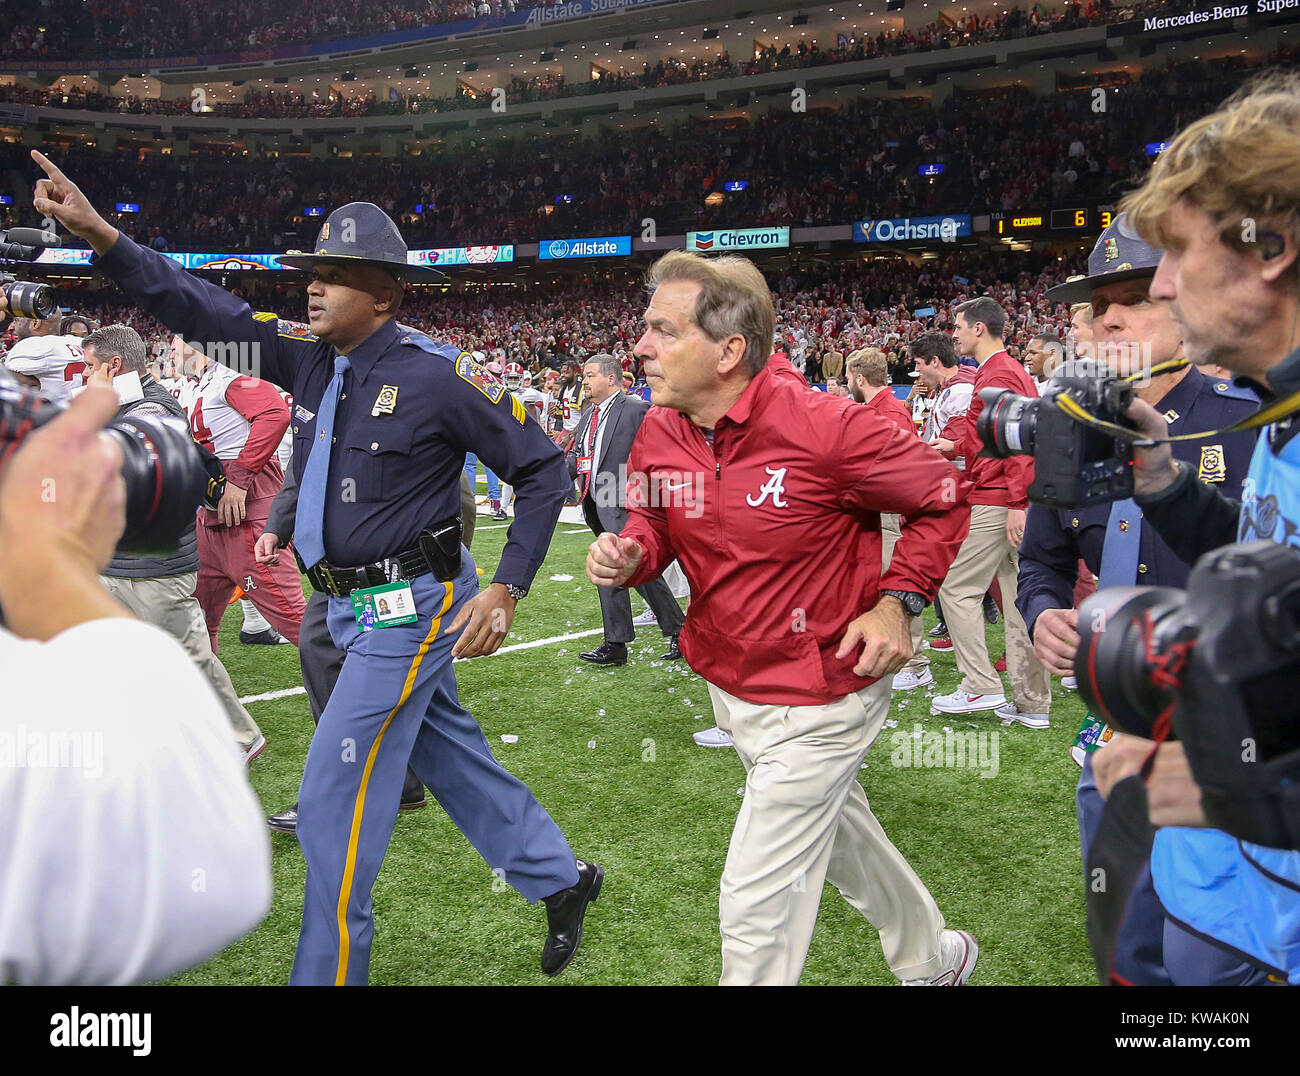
x,y
1223,203
160,588
122,781
1132,333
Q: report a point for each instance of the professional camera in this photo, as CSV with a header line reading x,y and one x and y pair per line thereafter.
x,y
1074,465
1216,667
26,299
164,471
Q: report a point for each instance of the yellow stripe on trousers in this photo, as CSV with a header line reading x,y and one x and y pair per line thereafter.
x,y
358,810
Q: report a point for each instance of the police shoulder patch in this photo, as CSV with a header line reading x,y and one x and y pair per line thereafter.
x,y
293,330
468,370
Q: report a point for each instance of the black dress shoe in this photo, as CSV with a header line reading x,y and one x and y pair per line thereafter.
x,y
285,822
991,615
564,914
938,631
412,792
608,654
673,652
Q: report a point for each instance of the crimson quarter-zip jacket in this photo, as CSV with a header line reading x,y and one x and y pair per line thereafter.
x,y
777,527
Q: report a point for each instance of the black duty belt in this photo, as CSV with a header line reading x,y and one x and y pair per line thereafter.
x,y
437,550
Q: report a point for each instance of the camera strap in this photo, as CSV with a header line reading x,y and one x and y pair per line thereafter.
x,y
1265,416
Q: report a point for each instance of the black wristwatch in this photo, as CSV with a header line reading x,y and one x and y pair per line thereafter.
x,y
913,603
518,593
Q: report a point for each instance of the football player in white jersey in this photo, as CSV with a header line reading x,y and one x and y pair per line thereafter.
x,y
243,420
536,402
43,359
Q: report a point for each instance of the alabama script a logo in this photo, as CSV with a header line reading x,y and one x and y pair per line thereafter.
x,y
775,486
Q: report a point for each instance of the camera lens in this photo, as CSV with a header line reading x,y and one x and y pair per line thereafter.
x,y
165,481
29,300
1007,423
1122,631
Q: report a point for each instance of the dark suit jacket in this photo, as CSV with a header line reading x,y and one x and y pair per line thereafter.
x,y
608,490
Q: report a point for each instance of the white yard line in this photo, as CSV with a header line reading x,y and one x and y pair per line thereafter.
x,y
268,696
585,530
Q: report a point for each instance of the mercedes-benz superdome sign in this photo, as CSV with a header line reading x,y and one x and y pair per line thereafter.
x,y
738,239
606,246
913,229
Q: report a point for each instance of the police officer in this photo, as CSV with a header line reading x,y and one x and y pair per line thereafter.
x,y
321,660
1137,332
381,434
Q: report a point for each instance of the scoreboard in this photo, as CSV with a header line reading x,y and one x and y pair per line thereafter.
x,y
1051,222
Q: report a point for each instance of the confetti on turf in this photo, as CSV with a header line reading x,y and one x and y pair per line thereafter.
x,y
561,578
507,737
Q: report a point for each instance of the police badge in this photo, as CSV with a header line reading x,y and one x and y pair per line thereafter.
x,y
385,402
1213,468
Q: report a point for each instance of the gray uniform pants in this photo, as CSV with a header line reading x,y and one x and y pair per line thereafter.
x,y
168,602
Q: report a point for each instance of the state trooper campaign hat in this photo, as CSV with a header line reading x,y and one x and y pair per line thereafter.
x,y
361,232
1119,255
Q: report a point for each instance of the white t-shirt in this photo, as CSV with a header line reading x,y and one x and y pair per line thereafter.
x,y
132,845
55,361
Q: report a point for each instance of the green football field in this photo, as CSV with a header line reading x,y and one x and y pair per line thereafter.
x,y
609,753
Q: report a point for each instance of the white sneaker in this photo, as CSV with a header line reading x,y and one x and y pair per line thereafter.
x,y
962,702
713,737
960,951
1070,683
906,681
1011,712
646,619
254,749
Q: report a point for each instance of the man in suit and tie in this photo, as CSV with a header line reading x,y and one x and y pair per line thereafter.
x,y
597,459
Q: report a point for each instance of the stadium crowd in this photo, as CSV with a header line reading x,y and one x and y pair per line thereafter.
x,y
71,29
1003,149
821,309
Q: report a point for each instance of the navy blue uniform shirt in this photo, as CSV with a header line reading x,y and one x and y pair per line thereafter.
x,y
410,410
1056,540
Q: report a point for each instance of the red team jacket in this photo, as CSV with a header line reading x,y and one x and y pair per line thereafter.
x,y
777,527
996,482
891,407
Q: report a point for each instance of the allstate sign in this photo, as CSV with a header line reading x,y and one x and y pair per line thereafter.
x,y
739,239
899,229
607,246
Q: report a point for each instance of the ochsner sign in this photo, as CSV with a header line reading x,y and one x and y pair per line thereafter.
x,y
896,229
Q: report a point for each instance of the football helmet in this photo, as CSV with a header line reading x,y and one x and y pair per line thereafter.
x,y
514,376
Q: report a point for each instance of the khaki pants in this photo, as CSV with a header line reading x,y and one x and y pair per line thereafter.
x,y
805,821
890,532
984,554
168,602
